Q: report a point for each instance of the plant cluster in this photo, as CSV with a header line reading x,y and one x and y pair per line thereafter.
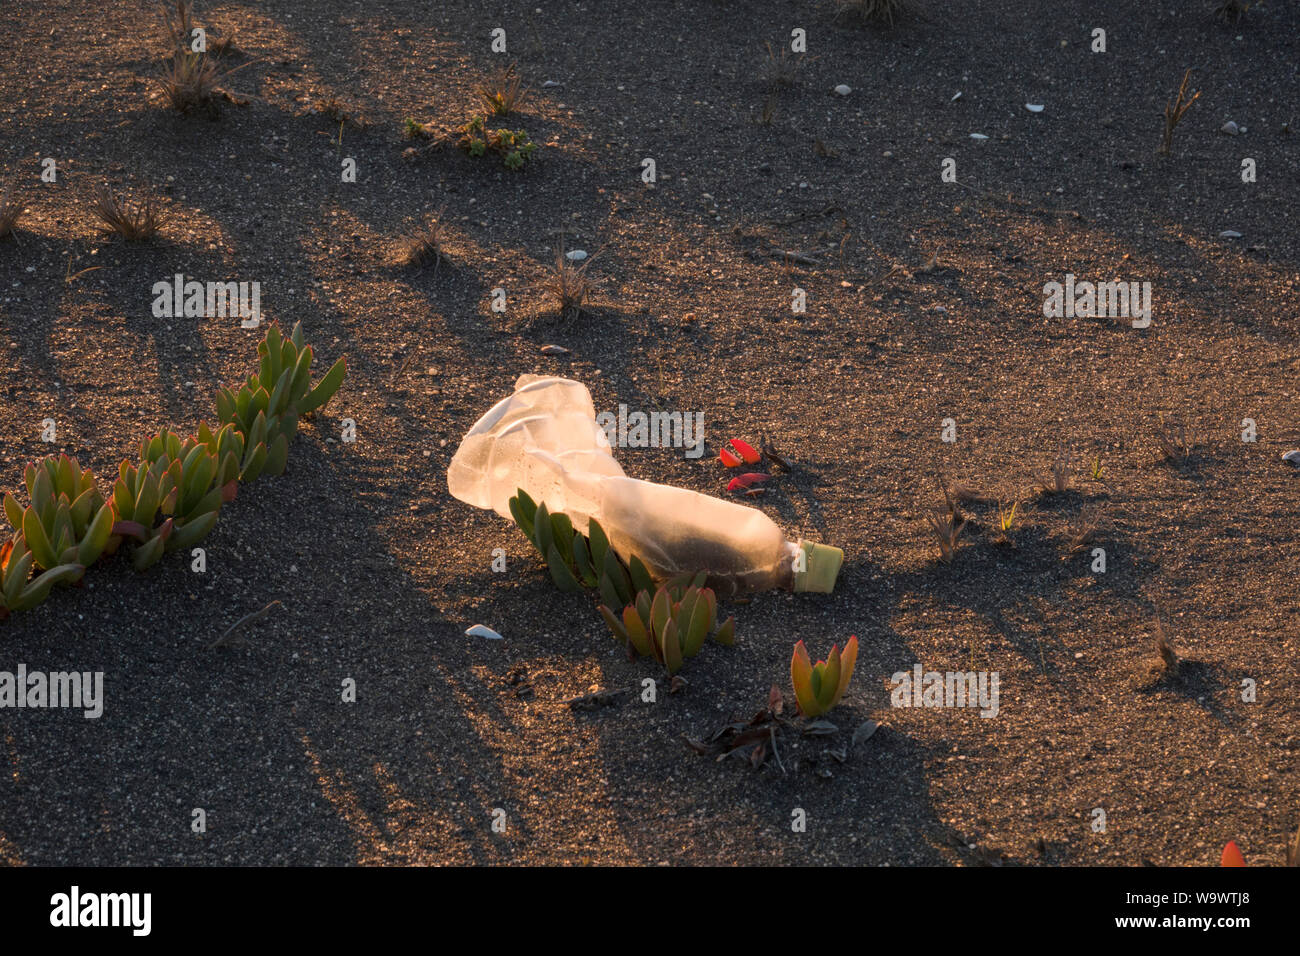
x,y
169,497
668,622
672,625
513,145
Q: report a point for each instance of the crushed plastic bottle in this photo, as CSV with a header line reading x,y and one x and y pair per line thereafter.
x,y
545,439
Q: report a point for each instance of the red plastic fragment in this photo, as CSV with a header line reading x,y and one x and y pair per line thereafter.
x,y
741,482
746,451
1232,856
728,459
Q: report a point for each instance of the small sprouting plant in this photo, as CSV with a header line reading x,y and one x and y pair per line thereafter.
x,y
10,212
131,220
1096,470
1006,521
947,521
503,94
819,687
413,130
1175,109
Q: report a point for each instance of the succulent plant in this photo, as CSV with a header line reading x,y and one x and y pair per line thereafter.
x,y
237,460
266,408
68,521
576,560
170,499
17,593
819,687
671,625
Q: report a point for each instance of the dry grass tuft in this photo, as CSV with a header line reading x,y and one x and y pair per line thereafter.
x,y
1082,530
503,94
1232,11
179,18
1061,479
1174,111
1173,441
130,220
1166,650
10,212
425,243
569,283
884,12
946,532
781,71
190,81
947,521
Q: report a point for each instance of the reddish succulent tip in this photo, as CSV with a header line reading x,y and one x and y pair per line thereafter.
x,y
1232,856
728,459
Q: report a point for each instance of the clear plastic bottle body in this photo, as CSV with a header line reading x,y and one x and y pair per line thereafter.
x,y
673,530
544,439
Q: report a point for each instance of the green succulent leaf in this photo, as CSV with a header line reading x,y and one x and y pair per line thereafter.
x,y
802,676
726,634
641,580
325,388
15,578
192,532
582,561
97,535
562,535
255,464
599,543
39,589
698,628
38,541
543,530
613,623
672,649
608,593
829,683
149,553
277,456
524,522
560,573
13,512
618,578
636,631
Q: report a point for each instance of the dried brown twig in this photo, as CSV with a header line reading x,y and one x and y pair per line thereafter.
x,y
1174,112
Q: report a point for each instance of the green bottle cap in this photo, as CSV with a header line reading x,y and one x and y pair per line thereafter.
x,y
821,568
